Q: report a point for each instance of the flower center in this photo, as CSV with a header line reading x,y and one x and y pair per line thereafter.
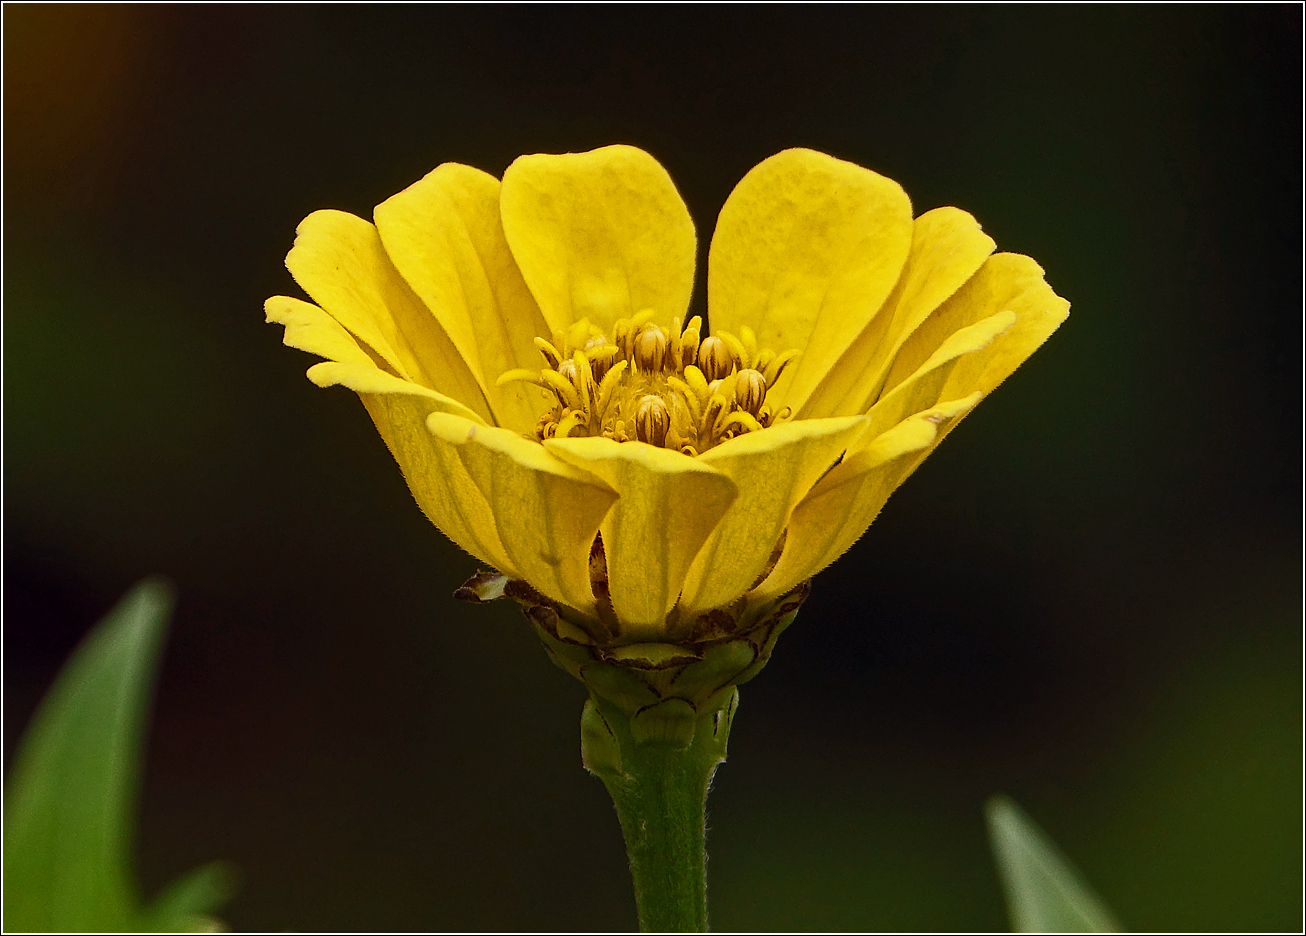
x,y
664,387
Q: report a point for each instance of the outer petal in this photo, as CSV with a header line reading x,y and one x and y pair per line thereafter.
x,y
668,506
399,409
547,513
370,379
947,248
599,235
310,329
1006,282
806,250
774,469
339,261
434,473
843,503
929,385
444,235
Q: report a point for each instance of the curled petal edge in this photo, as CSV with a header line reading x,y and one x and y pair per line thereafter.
x,y
841,506
309,328
546,513
773,470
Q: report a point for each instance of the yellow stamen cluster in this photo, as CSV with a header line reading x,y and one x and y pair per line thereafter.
x,y
666,388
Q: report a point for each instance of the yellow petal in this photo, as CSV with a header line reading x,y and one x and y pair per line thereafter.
x,y
310,329
960,352
338,259
929,385
1005,282
947,248
667,507
368,378
547,513
434,473
806,250
599,235
842,505
444,235
774,469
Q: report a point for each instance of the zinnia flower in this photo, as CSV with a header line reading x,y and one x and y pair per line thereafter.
x,y
653,490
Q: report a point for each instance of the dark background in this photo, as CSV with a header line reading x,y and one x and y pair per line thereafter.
x,y
1089,598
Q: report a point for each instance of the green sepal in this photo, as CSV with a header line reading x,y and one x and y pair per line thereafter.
x,y
671,721
618,685
731,647
599,751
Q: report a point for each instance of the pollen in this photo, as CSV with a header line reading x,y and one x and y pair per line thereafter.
x,y
646,383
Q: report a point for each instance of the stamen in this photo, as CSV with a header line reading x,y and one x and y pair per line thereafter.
x,y
717,405
584,381
601,359
737,350
644,383
561,382
694,377
672,362
750,391
610,382
714,358
652,420
570,422
771,373
749,339
689,342
650,348
551,354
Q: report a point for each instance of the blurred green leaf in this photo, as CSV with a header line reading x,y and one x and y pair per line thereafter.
x,y
185,904
1045,894
69,807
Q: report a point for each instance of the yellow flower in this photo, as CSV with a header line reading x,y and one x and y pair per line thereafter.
x,y
523,349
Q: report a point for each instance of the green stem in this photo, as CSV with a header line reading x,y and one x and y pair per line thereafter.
x,y
657,766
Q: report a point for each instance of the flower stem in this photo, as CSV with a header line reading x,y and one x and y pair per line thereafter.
x,y
657,766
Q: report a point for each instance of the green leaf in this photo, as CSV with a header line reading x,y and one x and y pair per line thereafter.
x,y
70,804
1044,891
185,904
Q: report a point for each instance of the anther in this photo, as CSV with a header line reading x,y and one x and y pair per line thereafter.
x,y
674,352
689,343
621,337
652,420
714,358
750,391
737,351
697,382
571,420
712,413
776,366
564,389
551,355
601,360
650,348
584,379
748,338
675,390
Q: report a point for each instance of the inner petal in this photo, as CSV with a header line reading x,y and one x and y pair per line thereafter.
x,y
598,235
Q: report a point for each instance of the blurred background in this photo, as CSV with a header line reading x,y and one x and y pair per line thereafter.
x,y
1088,598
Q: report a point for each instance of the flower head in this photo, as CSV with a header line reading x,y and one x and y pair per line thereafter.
x,y
524,348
